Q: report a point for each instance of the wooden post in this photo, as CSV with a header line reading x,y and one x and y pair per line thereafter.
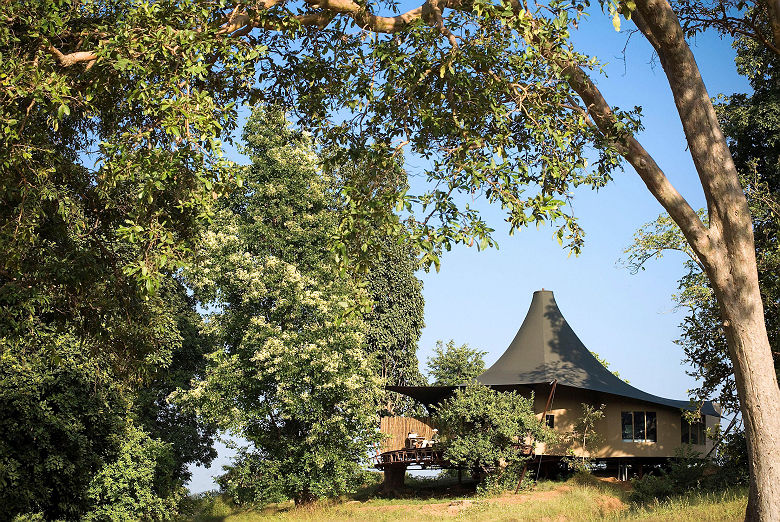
x,y
394,478
522,476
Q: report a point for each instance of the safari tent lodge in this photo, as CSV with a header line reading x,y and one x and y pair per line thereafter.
x,y
547,358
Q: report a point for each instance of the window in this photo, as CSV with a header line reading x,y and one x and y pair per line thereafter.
x,y
550,421
638,426
693,433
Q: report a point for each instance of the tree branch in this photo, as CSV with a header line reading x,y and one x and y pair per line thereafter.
x,y
644,164
66,60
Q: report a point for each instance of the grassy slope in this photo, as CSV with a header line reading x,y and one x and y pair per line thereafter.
x,y
572,500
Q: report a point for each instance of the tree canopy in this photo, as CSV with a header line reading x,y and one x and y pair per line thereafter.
x,y
452,365
492,94
484,429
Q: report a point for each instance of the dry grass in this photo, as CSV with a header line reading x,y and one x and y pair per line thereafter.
x,y
575,500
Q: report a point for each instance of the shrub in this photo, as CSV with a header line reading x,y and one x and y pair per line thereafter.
x,y
134,487
685,473
483,430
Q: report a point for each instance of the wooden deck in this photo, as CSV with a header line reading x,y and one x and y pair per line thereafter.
x,y
423,457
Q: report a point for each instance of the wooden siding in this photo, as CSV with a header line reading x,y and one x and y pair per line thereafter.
x,y
399,427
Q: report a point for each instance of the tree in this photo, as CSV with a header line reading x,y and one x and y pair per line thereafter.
x,y
453,365
190,437
109,163
584,434
484,429
70,447
290,374
497,98
750,124
395,322
57,431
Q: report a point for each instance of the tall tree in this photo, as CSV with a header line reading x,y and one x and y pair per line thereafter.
x,y
109,163
751,124
290,374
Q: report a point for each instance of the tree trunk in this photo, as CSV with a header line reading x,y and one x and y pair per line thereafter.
x,y
394,478
759,397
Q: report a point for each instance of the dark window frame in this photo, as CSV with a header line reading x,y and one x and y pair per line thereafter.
x,y
631,430
694,433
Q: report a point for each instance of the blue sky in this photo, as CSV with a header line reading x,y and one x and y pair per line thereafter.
x,y
481,298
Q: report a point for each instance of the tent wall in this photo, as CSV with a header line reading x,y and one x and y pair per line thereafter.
x,y
567,408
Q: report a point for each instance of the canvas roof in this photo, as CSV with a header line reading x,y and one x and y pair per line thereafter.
x,y
546,349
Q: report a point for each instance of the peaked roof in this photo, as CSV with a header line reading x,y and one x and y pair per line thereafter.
x,y
546,348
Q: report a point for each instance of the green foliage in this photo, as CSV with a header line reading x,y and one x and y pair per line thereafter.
x,y
495,115
58,425
191,437
731,458
395,322
504,479
685,473
688,472
63,419
453,365
484,429
108,167
133,487
290,374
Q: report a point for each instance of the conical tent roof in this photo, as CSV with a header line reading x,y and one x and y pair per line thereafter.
x,y
544,349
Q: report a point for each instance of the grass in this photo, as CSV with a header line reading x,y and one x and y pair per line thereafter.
x,y
580,498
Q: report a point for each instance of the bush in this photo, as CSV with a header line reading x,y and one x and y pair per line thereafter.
x,y
504,479
58,426
685,473
732,460
652,487
483,430
134,486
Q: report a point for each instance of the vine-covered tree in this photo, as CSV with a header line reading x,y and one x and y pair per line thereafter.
x,y
290,374
395,322
452,365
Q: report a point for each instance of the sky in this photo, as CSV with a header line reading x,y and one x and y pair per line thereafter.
x,y
481,298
